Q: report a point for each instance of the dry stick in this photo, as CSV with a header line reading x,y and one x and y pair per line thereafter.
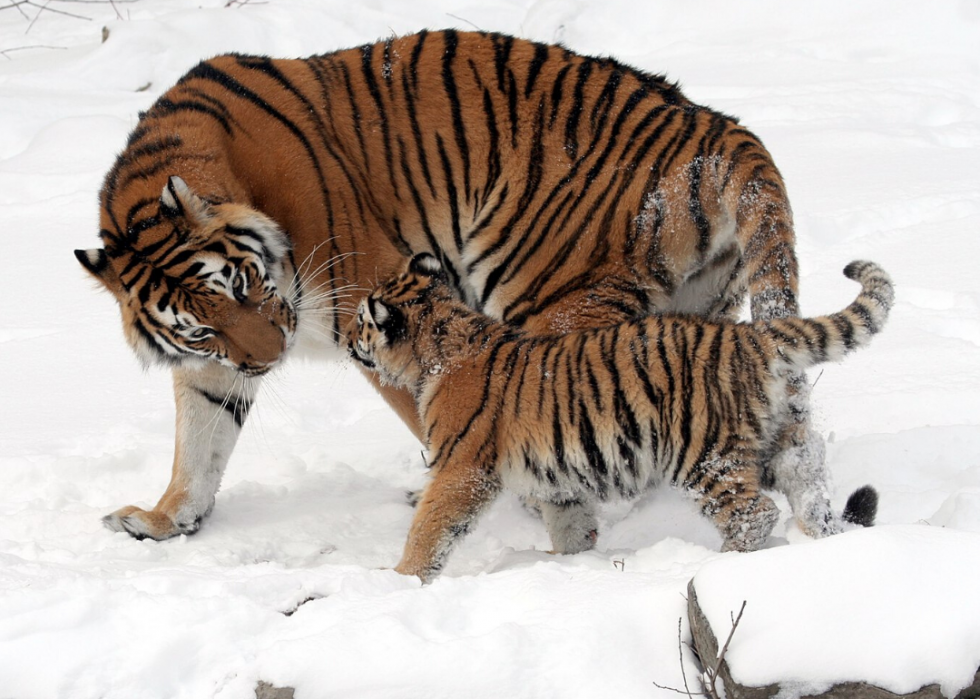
x,y
713,673
87,2
15,4
680,657
463,19
4,52
816,379
45,8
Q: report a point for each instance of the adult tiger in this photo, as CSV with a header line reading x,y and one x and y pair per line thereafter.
x,y
559,191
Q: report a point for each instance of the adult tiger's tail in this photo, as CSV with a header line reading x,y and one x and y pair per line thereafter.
x,y
801,343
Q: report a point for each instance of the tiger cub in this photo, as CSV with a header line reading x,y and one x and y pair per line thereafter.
x,y
597,413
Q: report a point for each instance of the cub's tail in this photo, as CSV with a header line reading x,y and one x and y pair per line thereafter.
x,y
801,343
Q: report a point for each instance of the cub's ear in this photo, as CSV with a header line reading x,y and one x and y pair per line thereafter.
x,y
389,320
427,264
97,264
177,200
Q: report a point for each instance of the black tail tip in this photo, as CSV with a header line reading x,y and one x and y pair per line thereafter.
x,y
862,506
854,269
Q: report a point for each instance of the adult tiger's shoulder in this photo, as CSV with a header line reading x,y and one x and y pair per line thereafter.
x,y
597,413
258,198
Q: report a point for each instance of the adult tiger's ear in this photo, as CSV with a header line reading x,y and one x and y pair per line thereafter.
x,y
427,265
389,320
177,200
96,263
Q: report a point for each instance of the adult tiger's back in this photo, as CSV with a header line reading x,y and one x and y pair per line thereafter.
x,y
559,191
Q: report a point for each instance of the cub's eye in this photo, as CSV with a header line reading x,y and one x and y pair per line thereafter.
x,y
238,287
200,333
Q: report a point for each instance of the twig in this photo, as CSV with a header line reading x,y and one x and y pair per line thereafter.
x,y
461,19
4,52
711,674
45,8
15,4
680,657
816,379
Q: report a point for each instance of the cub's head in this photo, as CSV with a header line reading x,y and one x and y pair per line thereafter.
x,y
384,334
197,280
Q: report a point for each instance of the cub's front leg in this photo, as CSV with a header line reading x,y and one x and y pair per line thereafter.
x,y
212,404
458,493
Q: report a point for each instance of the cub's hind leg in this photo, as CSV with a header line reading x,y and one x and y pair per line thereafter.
x,y
212,404
460,490
799,469
728,491
572,525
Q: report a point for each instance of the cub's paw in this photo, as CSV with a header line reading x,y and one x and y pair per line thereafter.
x,y
572,525
143,524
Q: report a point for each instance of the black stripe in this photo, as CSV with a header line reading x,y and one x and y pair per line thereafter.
x,y
625,417
575,112
502,45
556,92
416,55
355,115
417,134
540,56
451,39
447,171
367,55
238,407
166,107
642,366
586,432
493,166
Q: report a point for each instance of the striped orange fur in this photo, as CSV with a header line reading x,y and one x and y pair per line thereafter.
x,y
597,413
559,192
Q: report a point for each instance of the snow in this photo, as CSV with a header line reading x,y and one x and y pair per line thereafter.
x,y
866,576
872,114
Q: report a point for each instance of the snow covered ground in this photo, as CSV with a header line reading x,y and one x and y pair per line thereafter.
x,y
872,111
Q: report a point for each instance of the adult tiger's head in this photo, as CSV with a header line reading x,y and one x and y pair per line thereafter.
x,y
198,280
387,335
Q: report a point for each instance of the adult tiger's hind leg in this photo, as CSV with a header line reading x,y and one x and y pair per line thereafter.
x,y
212,404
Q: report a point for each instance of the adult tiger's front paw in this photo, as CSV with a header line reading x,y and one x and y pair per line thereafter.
x,y
143,524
